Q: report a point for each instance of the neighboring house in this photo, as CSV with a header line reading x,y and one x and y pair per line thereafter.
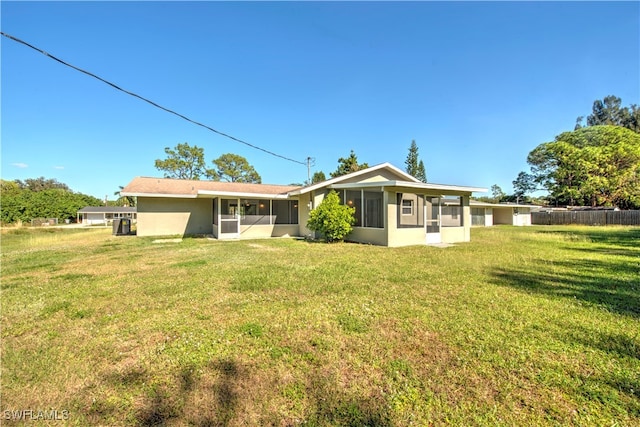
x,y
392,208
92,215
488,214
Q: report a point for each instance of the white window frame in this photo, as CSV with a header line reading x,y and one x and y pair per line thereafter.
x,y
403,207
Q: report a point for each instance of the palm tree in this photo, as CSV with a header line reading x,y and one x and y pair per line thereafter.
x,y
124,200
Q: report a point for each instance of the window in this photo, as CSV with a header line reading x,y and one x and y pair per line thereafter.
x,y
285,211
407,207
228,208
477,216
368,204
354,200
264,207
373,213
410,210
452,211
250,212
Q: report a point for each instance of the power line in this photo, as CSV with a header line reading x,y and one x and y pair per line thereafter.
x,y
149,101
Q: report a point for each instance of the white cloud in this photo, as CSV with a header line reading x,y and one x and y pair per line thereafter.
x,y
20,165
58,167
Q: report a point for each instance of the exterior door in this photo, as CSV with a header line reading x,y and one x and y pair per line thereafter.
x,y
229,219
432,222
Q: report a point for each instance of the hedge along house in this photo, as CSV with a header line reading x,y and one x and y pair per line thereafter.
x,y
392,208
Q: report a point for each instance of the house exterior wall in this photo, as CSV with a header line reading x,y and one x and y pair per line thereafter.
x,y
466,224
314,199
93,218
164,216
373,236
407,237
303,214
523,218
503,215
488,217
400,236
266,230
416,216
453,234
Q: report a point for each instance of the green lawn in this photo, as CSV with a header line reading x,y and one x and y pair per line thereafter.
x,y
522,326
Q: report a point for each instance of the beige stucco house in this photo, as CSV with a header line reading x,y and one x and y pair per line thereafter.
x,y
488,214
392,208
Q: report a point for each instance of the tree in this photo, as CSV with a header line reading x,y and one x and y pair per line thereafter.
x,y
332,219
21,203
412,159
497,193
523,185
415,166
594,165
183,162
235,168
318,176
41,184
124,200
609,111
422,173
348,165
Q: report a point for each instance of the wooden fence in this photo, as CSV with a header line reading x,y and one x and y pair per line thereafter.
x,y
586,218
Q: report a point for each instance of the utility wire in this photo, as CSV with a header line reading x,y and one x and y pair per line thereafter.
x,y
149,101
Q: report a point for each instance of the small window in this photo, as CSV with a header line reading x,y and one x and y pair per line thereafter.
x,y
407,207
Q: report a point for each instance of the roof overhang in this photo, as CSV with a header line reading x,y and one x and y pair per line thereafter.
x,y
336,180
425,186
210,193
500,205
176,196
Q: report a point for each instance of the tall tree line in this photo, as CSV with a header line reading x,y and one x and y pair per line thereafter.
x,y
41,198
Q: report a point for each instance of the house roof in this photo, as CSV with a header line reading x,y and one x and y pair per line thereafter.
x,y
183,188
414,185
108,209
332,182
167,187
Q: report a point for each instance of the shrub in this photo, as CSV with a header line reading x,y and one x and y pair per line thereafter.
x,y
331,219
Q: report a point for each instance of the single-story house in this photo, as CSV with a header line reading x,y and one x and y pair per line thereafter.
x,y
488,214
392,208
91,215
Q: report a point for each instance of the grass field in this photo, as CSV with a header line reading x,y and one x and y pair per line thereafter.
x,y
522,326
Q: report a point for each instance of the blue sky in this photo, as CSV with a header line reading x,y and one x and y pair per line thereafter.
x,y
477,85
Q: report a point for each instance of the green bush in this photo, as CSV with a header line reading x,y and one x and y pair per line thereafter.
x,y
331,219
